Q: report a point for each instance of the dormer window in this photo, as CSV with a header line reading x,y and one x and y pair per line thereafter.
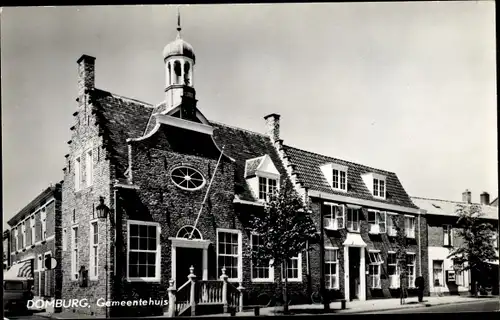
x,y
376,184
336,175
262,177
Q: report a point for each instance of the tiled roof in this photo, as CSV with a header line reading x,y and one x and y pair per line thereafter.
x,y
242,145
119,118
307,167
448,208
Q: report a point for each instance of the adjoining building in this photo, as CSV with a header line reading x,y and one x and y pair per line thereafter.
x,y
35,237
150,167
6,249
446,279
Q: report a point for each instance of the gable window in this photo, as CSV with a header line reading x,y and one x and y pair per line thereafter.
x,y
187,178
447,235
229,253
294,269
94,247
392,270
379,188
391,226
331,268
261,271
78,174
89,168
410,226
32,229
437,272
334,216
143,251
352,220
374,269
74,253
377,221
339,179
44,224
267,187
410,266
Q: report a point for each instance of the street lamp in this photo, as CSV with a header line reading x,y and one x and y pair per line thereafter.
x,y
102,214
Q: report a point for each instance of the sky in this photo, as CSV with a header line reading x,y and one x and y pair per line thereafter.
x,y
406,87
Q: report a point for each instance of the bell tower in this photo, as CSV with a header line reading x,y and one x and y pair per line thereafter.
x,y
179,59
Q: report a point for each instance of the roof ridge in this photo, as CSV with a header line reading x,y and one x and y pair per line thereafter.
x,y
450,201
233,127
127,98
349,162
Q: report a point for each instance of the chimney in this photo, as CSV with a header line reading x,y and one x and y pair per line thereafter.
x,y
485,198
466,196
86,73
273,126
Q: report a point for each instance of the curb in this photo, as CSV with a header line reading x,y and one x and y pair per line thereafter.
x,y
412,306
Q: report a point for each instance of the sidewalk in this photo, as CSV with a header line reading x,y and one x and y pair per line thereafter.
x,y
311,309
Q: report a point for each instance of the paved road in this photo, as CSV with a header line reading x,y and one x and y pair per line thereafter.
x,y
29,316
475,306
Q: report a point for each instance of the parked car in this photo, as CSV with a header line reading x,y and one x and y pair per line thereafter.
x,y
16,294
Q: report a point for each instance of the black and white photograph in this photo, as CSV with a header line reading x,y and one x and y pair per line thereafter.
x,y
248,160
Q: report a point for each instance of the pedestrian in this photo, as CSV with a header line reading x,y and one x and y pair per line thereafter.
x,y
420,284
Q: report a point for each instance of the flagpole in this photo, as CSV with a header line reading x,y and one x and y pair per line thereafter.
x,y
206,194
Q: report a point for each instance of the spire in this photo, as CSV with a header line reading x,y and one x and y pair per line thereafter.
x,y
178,23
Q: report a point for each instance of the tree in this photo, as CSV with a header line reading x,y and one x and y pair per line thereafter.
x,y
398,222
477,247
284,228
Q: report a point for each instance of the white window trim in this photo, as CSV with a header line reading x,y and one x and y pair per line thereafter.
x,y
443,275
337,286
89,167
16,235
74,257
299,271
346,222
91,251
267,176
78,172
447,235
32,228
408,217
240,252
333,225
271,269
23,230
43,220
411,283
390,230
396,270
157,278
327,170
375,228
379,179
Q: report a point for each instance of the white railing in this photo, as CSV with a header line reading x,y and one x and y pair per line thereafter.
x,y
182,297
210,292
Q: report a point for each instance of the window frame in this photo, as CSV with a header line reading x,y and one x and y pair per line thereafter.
x,y
270,278
23,234
371,266
335,264
407,224
337,179
65,239
93,250
178,185
348,223
43,220
332,218
89,167
375,227
393,264
442,278
157,277
379,187
240,252
75,252
413,266
391,230
299,269
267,193
447,235
78,173
16,235
32,228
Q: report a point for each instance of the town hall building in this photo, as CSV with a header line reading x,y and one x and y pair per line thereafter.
x,y
149,168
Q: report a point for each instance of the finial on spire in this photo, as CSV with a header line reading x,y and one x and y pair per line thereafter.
x,y
178,23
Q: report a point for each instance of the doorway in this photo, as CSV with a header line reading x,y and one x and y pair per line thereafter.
x,y
354,280
187,257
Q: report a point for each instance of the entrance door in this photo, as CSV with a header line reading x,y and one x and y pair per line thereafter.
x,y
354,280
187,257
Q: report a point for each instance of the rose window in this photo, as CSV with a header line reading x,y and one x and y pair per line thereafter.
x,y
187,178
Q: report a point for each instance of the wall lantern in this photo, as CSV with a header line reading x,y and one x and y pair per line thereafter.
x,y
102,209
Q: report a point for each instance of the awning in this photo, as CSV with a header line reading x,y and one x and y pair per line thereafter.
x,y
353,206
19,271
354,240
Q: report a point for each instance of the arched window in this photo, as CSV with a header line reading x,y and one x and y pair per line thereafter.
x,y
187,178
187,78
177,71
185,232
169,73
